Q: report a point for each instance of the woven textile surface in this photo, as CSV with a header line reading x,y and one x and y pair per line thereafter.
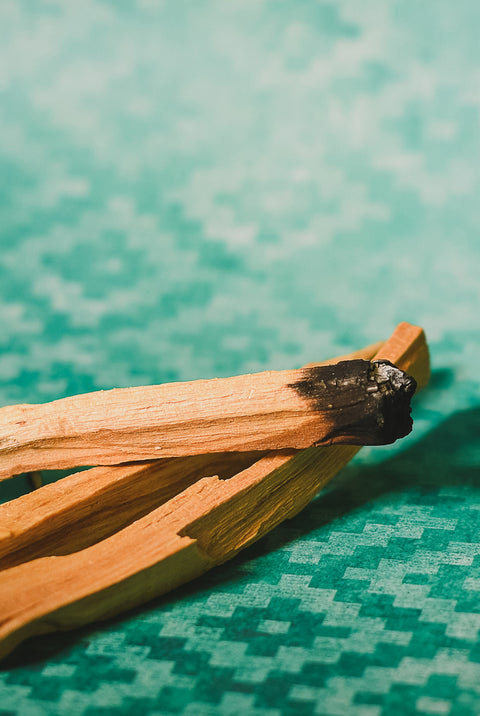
x,y
199,189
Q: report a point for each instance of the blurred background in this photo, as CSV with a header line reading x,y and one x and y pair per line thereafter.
x,y
198,189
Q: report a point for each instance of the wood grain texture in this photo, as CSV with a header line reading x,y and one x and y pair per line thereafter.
x,y
86,507
201,526
261,411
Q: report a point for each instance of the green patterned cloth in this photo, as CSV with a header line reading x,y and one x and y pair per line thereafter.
x,y
195,189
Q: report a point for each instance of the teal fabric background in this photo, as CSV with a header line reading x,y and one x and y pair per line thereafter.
x,y
198,189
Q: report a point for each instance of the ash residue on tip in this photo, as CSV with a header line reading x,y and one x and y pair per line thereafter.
x,y
389,378
394,390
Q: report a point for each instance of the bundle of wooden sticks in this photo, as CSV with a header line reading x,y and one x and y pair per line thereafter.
x,y
188,474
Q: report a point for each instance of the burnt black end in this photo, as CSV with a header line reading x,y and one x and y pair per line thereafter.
x,y
367,403
395,391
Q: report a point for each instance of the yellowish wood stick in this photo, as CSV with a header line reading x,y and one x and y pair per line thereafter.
x,y
352,402
86,507
201,526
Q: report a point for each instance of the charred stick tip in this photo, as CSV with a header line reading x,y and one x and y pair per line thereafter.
x,y
395,389
368,402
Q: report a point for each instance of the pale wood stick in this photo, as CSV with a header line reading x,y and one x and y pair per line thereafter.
x,y
88,506
354,402
83,508
202,526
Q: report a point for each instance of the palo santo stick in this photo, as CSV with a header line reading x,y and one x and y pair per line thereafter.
x,y
202,526
86,507
351,402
